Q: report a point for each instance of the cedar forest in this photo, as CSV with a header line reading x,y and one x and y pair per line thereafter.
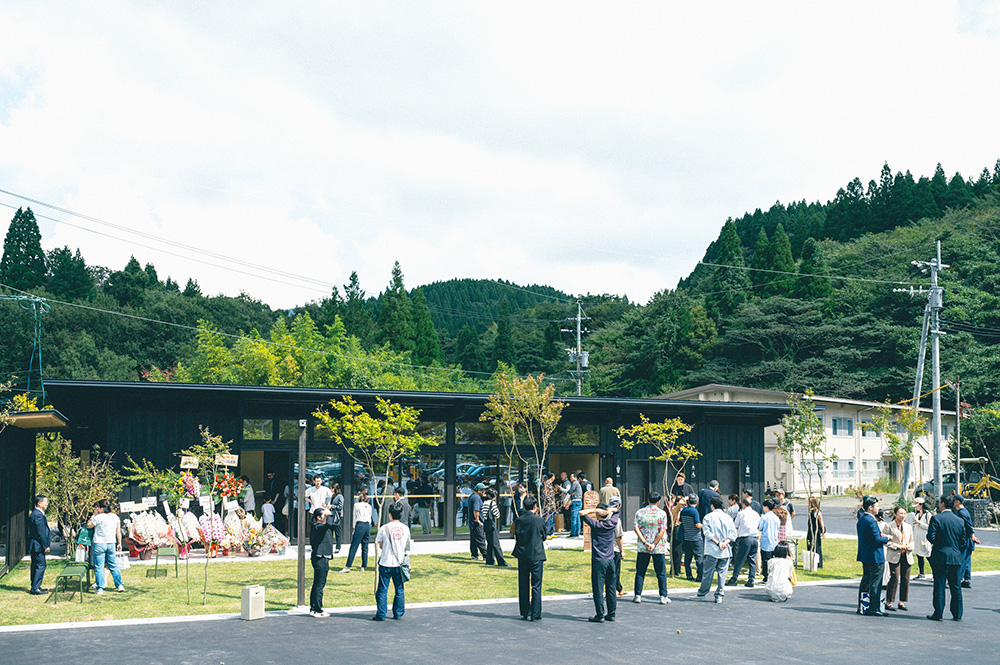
x,y
796,296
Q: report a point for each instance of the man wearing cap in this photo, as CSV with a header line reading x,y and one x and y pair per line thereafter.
x,y
477,534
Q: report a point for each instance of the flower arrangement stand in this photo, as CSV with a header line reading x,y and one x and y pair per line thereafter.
x,y
165,552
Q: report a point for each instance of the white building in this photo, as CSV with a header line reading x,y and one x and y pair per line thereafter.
x,y
862,455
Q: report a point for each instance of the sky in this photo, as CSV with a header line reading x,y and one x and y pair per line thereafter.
x,y
273,148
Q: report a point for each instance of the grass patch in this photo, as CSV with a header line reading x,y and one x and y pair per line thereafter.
x,y
435,578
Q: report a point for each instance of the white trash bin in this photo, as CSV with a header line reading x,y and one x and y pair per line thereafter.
x,y
252,605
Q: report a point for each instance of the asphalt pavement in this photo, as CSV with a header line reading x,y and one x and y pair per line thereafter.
x,y
817,626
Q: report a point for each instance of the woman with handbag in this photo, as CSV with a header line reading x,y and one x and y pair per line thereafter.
x,y
393,564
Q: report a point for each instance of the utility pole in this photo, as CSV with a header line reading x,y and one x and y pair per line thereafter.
x,y
932,324
578,355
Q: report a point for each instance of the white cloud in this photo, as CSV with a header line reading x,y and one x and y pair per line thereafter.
x,y
591,147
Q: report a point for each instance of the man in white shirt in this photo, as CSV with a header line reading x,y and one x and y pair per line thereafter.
x,y
107,542
719,532
394,541
747,521
318,496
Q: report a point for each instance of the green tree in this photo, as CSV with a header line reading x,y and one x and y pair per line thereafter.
x,y
191,289
524,413
395,325
355,314
69,278
128,286
468,352
959,192
813,263
503,344
762,262
426,344
781,264
939,189
911,426
378,442
802,441
730,285
23,264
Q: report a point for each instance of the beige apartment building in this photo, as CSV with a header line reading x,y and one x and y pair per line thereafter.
x,y
861,455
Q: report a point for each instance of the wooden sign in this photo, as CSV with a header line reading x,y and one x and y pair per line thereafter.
x,y
228,460
590,500
188,462
149,501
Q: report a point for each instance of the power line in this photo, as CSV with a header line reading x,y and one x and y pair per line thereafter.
x,y
406,368
800,275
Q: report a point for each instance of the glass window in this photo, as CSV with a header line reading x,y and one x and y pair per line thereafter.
x,y
843,469
288,430
495,471
843,426
811,471
476,433
576,435
871,468
423,479
257,429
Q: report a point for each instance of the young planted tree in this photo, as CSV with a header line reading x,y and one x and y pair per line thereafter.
x,y
74,483
374,441
803,441
900,428
524,413
208,453
663,438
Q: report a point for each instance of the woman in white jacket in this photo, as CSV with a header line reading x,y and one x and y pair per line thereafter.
x,y
899,556
779,574
920,518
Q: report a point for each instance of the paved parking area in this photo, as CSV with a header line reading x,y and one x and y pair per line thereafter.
x,y
818,626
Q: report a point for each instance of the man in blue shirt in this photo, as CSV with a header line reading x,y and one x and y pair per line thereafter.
x,y
477,533
871,555
769,525
705,497
603,580
576,503
693,544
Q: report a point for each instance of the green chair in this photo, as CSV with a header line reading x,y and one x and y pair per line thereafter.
x,y
73,570
165,552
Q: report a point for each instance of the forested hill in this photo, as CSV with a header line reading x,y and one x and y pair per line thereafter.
x,y
798,296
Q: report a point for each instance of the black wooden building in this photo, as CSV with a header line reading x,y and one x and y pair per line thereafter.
x,y
156,420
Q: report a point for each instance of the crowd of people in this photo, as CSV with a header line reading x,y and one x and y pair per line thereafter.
x,y
709,538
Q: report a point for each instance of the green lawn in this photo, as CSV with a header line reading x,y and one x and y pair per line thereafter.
x,y
435,578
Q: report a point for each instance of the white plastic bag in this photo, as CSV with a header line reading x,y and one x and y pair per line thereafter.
x,y
810,560
121,558
81,555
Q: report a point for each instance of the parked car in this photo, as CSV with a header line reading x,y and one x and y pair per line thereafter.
x,y
948,482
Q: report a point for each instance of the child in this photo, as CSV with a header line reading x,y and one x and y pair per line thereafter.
x,y
780,571
267,510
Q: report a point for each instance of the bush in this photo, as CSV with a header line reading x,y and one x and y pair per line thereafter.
x,y
885,485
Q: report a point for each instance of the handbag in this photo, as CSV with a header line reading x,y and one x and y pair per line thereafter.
x,y
121,558
85,537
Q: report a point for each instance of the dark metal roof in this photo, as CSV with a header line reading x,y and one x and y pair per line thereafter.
x,y
65,393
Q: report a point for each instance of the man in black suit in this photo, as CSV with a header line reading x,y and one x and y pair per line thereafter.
x,y
949,535
705,497
529,550
38,543
321,540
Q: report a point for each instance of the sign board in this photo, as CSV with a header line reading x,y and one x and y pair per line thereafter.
x,y
126,507
231,505
149,501
166,508
189,462
205,501
185,503
228,460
